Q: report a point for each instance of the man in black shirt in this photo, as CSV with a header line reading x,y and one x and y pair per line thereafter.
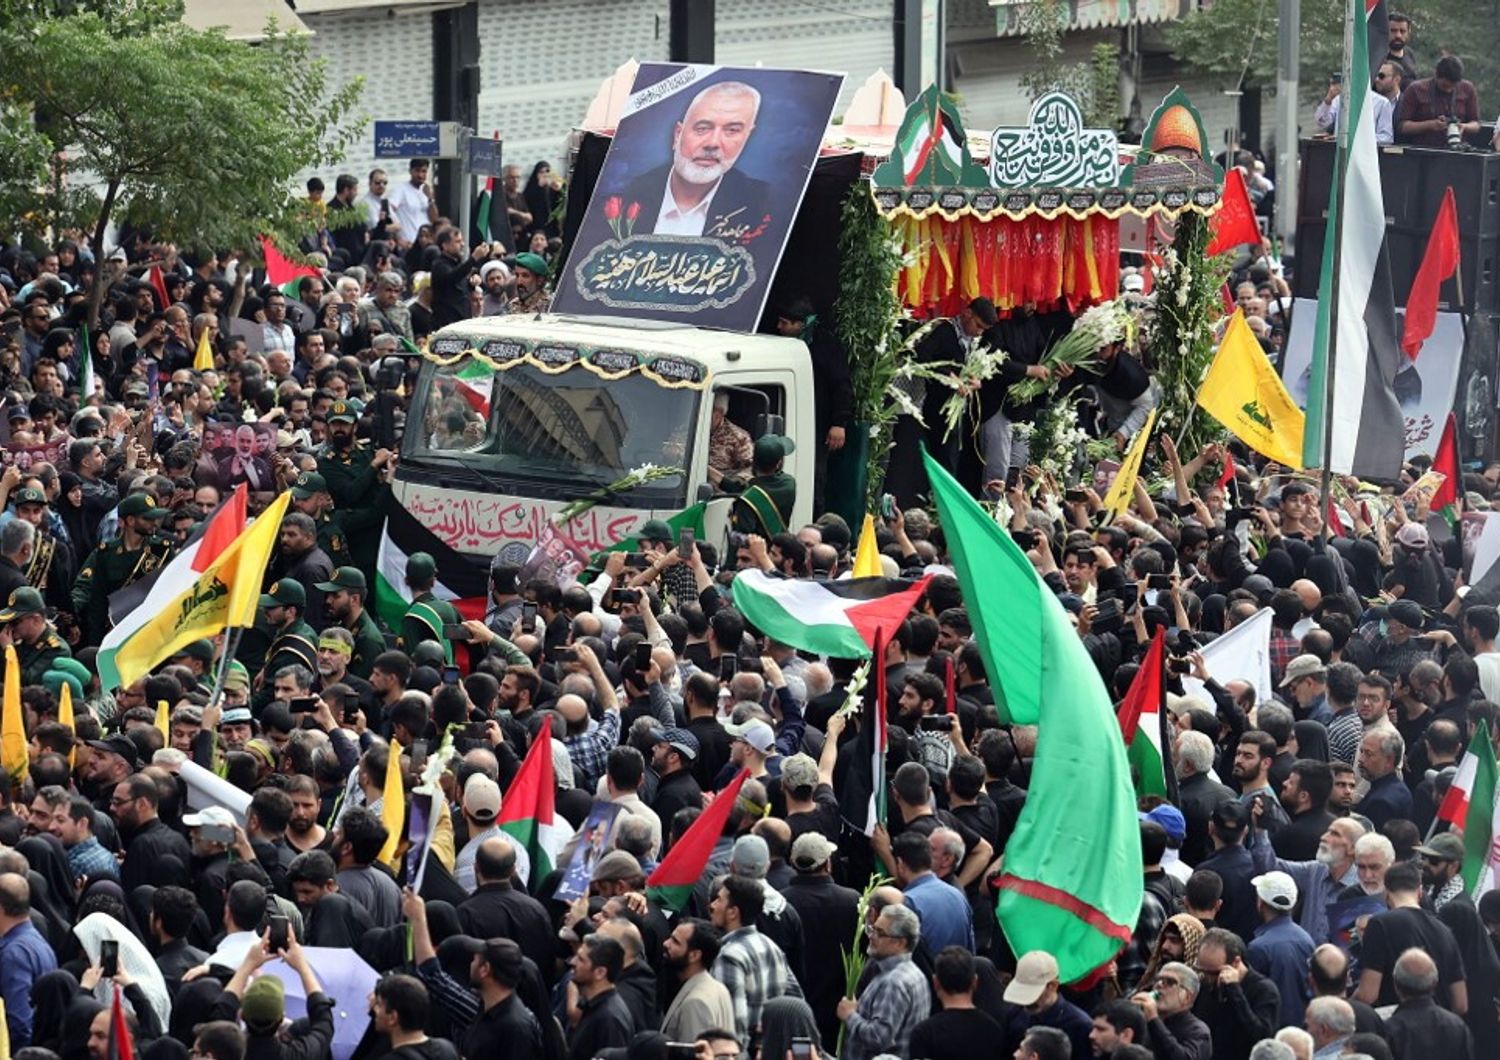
x,y
1388,935
172,913
604,1020
1117,1024
399,1007
505,1028
673,753
1304,796
959,1030
148,841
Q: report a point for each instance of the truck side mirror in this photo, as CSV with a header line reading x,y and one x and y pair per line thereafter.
x,y
706,491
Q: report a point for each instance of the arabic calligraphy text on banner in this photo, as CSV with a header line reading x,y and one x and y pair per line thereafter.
x,y
1054,150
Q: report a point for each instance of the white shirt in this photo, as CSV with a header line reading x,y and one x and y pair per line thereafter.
x,y
463,863
231,952
277,337
1489,674
673,220
1384,111
371,204
409,208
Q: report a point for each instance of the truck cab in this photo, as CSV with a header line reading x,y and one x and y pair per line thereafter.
x,y
514,417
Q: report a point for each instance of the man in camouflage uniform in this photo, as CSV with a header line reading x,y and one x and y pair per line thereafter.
x,y
354,477
293,641
344,605
139,550
310,496
427,615
531,284
24,623
52,565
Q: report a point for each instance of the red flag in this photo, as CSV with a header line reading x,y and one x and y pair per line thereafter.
x,y
1146,689
1445,462
1336,520
1227,476
1227,296
159,285
1438,264
671,883
279,268
120,1047
950,686
1234,224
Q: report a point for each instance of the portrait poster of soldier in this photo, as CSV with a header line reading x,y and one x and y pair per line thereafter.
x,y
698,193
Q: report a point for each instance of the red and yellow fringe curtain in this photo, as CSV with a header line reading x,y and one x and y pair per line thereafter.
x,y
1061,262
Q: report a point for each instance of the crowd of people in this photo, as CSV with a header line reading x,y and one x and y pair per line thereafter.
x,y
1301,897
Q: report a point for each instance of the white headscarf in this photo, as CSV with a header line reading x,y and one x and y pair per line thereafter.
x,y
134,958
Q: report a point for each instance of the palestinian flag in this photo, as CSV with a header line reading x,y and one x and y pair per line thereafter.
x,y
281,271
528,814
863,793
690,518
138,603
671,883
1354,401
460,580
936,131
835,618
1445,501
1072,881
1142,722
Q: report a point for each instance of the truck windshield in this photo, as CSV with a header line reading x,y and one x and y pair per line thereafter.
x,y
572,426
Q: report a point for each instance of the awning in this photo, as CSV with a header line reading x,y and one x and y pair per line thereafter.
x,y
241,19
405,7
1093,14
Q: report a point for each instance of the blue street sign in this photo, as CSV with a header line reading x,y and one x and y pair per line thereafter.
x,y
406,139
484,157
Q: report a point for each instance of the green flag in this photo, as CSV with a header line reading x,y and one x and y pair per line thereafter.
x,y
690,518
1072,881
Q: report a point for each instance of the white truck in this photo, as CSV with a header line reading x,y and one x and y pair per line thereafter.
x,y
516,416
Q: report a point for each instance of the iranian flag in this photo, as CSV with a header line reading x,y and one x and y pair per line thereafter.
x,y
529,815
671,883
476,382
1455,806
1142,718
834,618
1479,818
1445,501
936,131
1354,399
1072,881
460,580
139,602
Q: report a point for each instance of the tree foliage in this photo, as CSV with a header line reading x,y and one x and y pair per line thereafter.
x,y
1222,40
117,112
1094,85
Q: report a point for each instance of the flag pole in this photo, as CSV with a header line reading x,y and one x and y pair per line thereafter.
x,y
231,645
1345,141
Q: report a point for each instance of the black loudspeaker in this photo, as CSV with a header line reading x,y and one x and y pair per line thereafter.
x,y
1413,180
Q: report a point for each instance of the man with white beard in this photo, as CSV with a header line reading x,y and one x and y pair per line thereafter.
x,y
1320,882
701,193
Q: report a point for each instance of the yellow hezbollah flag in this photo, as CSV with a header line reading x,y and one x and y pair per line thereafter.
x,y
203,357
392,806
65,717
226,594
13,756
1243,392
1117,500
867,557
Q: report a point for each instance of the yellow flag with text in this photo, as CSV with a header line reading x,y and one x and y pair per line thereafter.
x,y
1243,392
226,594
1117,500
392,806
